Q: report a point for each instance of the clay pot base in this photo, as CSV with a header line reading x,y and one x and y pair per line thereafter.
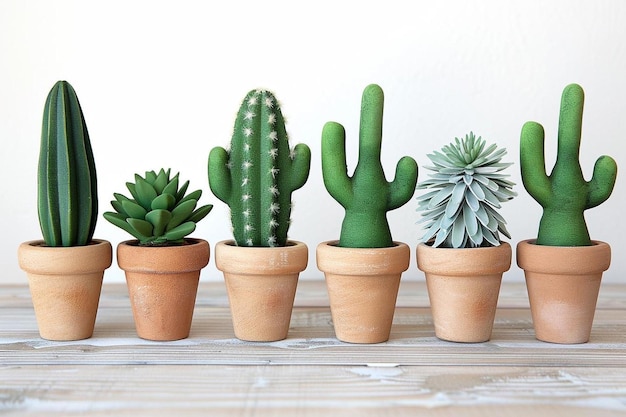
x,y
162,286
261,285
65,285
362,286
463,308
463,288
563,285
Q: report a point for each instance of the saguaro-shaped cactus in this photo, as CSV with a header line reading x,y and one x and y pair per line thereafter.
x,y
564,194
67,189
258,174
366,196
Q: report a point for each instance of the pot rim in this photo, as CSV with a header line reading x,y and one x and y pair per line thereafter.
x,y
170,259
375,261
573,260
290,259
464,261
35,257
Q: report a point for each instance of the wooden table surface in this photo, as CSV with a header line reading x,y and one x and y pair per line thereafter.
x,y
311,373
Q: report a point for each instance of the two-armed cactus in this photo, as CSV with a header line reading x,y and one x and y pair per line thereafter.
x,y
367,195
67,188
564,194
257,175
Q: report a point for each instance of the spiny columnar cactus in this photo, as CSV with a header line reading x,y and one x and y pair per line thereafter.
x,y
366,196
466,189
258,174
159,214
564,194
67,186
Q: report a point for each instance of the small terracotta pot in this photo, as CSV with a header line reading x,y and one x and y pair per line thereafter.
x,y
261,284
463,288
362,286
162,286
563,285
65,284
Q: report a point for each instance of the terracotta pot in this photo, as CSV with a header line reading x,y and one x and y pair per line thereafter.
x,y
65,284
162,286
463,288
563,285
261,284
362,287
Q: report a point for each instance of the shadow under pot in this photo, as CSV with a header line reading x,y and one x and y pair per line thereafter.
x,y
563,284
162,286
362,286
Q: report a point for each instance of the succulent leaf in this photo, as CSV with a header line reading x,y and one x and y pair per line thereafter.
x,y
163,201
462,194
160,213
133,209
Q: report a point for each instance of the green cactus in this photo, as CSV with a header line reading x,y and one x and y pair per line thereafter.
x,y
67,188
366,196
564,194
258,174
160,213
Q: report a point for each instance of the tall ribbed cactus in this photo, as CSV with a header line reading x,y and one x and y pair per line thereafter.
x,y
258,174
67,189
564,194
366,196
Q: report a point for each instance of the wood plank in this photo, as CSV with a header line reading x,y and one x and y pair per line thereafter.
x,y
311,372
267,390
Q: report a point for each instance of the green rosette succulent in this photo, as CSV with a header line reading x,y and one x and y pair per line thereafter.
x,y
160,213
459,209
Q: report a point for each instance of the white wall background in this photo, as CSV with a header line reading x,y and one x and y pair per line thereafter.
x,y
161,81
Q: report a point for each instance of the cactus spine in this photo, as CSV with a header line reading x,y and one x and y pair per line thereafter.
x,y
67,188
564,194
366,196
258,174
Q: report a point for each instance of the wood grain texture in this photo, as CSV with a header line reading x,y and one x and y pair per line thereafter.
x,y
311,373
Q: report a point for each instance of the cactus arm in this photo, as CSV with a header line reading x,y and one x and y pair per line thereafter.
x,y
334,166
371,125
300,166
602,181
402,188
570,123
532,163
219,174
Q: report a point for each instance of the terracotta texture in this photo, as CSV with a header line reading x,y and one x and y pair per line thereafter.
x,y
261,284
65,284
463,288
362,287
162,286
563,285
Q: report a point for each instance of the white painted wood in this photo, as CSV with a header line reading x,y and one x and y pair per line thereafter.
x,y
311,373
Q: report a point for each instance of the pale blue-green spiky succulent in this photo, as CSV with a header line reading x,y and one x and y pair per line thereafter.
x,y
464,192
159,212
